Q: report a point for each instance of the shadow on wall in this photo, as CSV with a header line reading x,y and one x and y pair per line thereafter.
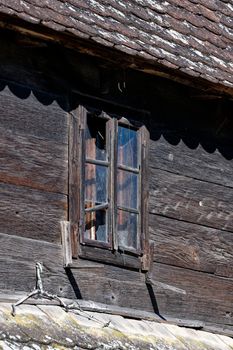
x,y
167,108
208,124
73,283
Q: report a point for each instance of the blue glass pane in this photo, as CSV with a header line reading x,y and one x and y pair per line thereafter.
x,y
127,189
127,151
95,136
96,183
127,229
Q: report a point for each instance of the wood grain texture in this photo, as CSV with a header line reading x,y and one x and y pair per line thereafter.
x,y
201,293
207,297
144,236
110,257
110,285
31,213
18,256
192,246
211,166
76,180
85,305
191,200
22,112
66,243
33,162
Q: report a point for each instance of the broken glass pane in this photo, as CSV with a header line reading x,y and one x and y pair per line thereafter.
x,y
127,229
95,138
127,151
127,189
96,225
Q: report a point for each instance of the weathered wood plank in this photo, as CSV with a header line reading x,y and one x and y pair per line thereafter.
x,y
17,271
207,297
114,292
66,243
213,166
26,114
93,306
18,256
76,140
30,161
123,275
192,246
31,213
203,292
109,257
14,249
85,305
191,200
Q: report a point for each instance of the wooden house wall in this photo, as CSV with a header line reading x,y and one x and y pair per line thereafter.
x,y
191,186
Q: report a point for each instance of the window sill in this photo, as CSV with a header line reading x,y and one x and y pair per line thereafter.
x,y
109,257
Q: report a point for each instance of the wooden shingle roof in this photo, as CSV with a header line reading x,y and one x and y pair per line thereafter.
x,y
192,36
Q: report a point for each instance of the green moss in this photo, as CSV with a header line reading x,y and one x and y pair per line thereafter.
x,y
196,344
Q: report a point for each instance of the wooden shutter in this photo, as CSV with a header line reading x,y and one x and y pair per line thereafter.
x,y
147,246
76,140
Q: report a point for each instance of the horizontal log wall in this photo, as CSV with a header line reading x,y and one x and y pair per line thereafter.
x,y
184,293
34,166
191,212
30,161
191,191
178,293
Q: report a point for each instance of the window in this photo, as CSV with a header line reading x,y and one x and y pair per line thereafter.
x,y
108,189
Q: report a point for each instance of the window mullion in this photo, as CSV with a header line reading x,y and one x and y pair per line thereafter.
x,y
129,169
140,190
97,162
129,210
113,176
82,127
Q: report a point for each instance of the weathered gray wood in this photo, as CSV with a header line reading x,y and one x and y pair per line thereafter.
x,y
76,180
19,266
144,192
204,292
85,305
218,328
191,200
123,275
66,243
92,306
207,297
89,305
32,213
30,161
18,256
197,163
31,117
110,257
192,246
165,286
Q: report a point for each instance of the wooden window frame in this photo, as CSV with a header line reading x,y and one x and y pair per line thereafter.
x,y
95,250
107,163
